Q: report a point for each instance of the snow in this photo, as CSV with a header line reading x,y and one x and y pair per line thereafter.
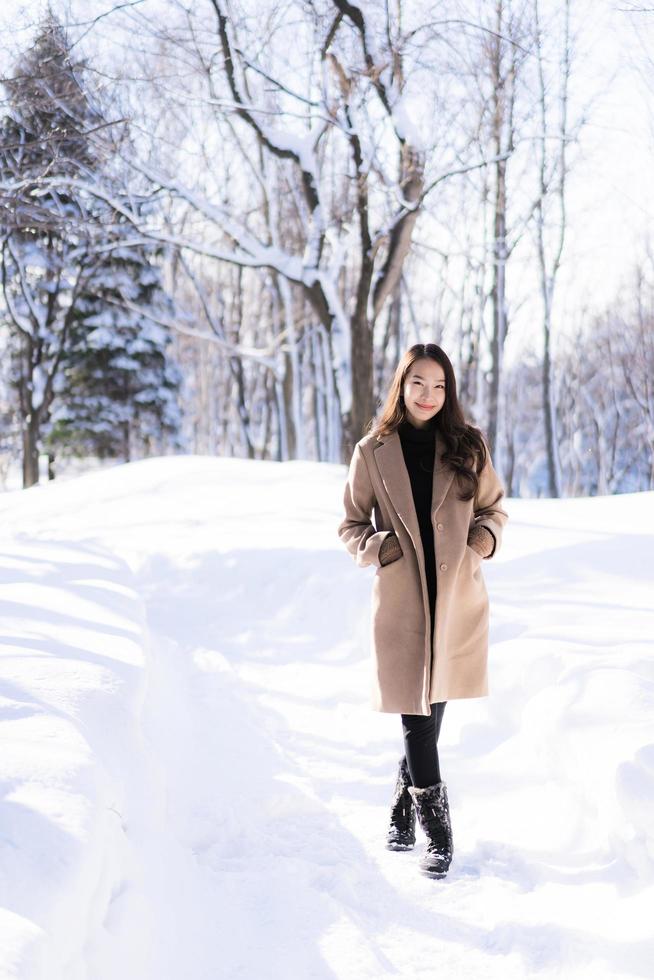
x,y
302,147
194,783
39,382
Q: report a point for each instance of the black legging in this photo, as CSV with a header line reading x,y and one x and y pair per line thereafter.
x,y
420,745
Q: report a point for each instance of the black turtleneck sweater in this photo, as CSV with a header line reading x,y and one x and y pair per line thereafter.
x,y
419,450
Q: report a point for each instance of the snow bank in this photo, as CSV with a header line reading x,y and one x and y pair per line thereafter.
x,y
72,683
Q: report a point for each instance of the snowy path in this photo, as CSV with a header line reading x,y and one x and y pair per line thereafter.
x,y
257,788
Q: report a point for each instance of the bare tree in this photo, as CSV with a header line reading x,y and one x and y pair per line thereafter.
x,y
556,133
343,112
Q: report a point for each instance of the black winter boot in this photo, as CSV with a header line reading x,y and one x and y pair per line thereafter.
x,y
402,830
434,817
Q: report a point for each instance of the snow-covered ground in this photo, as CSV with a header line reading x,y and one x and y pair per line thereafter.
x,y
193,782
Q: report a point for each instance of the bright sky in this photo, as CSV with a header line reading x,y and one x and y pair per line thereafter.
x,y
613,200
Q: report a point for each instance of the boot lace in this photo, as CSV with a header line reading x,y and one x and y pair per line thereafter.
x,y
438,830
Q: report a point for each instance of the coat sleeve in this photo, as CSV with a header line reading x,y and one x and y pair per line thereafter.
x,y
488,510
356,530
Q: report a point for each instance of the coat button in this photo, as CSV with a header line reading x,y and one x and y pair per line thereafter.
x,y
439,526
443,567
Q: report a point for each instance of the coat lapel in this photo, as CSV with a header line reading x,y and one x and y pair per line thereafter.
x,y
395,477
443,475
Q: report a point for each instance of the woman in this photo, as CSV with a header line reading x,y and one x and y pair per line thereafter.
x,y
426,476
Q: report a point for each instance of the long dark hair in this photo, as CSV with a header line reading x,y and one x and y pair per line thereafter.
x,y
465,451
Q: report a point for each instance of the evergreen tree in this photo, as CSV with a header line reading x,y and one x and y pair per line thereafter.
x,y
117,391
47,249
91,375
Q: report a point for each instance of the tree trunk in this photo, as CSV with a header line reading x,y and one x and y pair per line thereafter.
x,y
363,408
126,445
500,255
549,412
361,352
30,452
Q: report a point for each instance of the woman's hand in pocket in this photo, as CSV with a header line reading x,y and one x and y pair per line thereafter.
x,y
481,540
390,550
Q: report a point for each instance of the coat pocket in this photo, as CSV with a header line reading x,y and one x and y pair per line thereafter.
x,y
396,561
476,557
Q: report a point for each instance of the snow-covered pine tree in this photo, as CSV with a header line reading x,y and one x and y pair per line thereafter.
x,y
47,248
92,375
117,392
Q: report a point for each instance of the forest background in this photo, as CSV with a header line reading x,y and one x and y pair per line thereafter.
x,y
222,223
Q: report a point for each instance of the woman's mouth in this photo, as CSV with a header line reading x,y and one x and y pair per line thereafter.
x,y
427,408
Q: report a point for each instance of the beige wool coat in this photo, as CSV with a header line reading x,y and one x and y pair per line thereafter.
x,y
408,674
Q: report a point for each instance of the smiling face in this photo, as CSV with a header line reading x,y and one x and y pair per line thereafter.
x,y
423,391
